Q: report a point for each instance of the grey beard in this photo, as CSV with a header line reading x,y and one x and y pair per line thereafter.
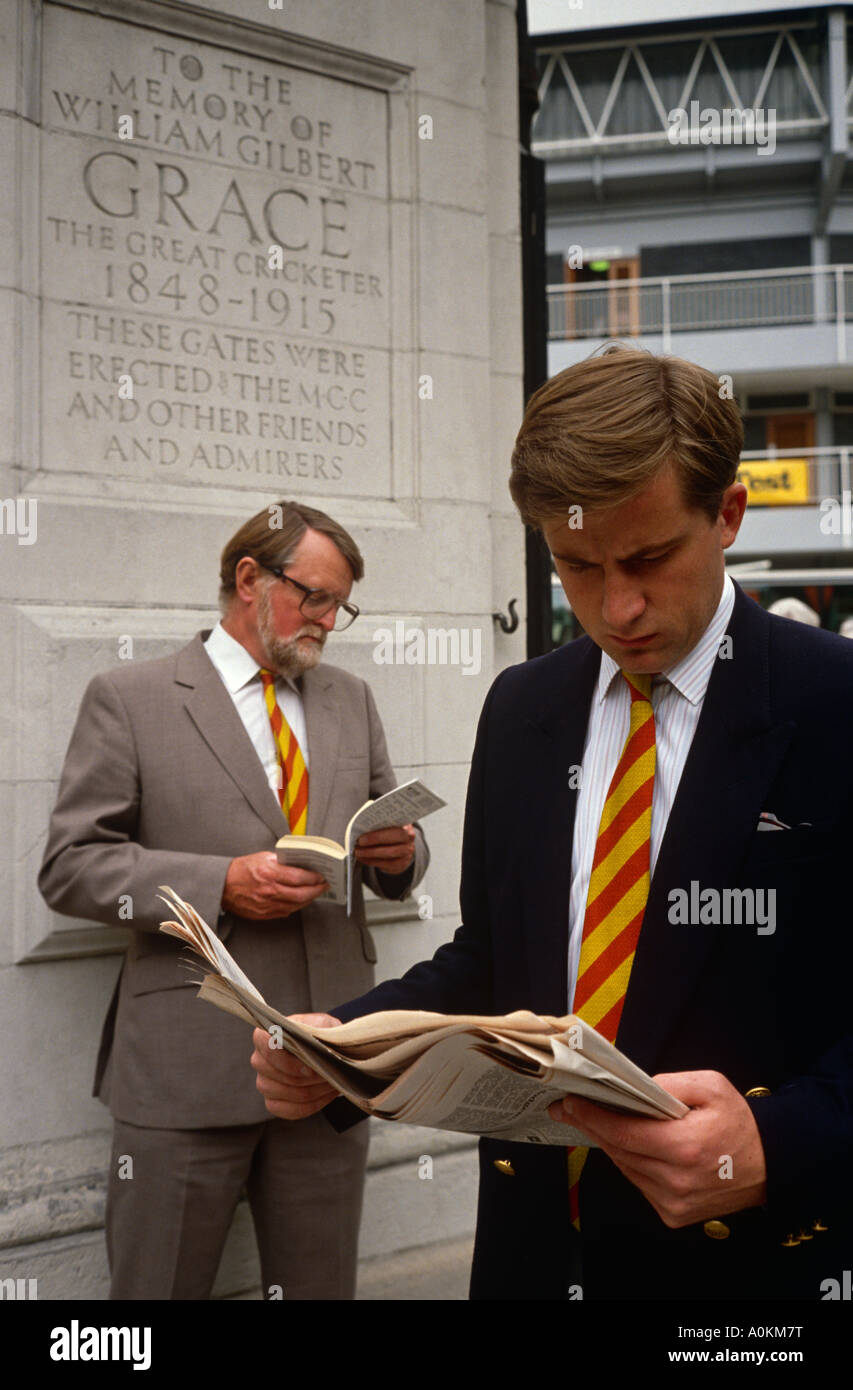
x,y
282,653
287,659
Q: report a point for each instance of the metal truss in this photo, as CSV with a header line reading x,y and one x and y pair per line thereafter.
x,y
785,73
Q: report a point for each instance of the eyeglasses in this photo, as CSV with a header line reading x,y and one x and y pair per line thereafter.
x,y
316,603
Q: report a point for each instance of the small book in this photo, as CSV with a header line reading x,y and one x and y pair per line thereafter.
x,y
493,1076
405,804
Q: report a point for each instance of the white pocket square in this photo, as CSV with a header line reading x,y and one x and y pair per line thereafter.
x,y
768,820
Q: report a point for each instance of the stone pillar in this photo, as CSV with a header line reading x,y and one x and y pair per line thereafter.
x,y
248,253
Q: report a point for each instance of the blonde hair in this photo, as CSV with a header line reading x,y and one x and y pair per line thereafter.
x,y
272,535
597,433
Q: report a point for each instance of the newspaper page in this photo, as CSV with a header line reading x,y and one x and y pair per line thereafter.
x,y
470,1093
479,1075
404,804
194,930
464,1084
409,802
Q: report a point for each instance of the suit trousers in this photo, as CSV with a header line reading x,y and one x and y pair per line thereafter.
x,y
169,1210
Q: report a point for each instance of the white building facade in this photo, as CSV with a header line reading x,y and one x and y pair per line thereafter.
x,y
700,202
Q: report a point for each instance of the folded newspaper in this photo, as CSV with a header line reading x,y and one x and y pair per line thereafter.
x,y
490,1076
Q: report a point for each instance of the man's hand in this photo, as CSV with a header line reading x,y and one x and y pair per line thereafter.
x,y
678,1164
290,1089
258,887
390,850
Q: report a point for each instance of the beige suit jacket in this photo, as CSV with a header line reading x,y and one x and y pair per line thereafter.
x,y
161,785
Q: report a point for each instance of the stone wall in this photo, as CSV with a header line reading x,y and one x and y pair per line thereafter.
x,y
165,377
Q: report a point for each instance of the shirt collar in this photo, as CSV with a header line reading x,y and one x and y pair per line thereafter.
x,y
691,674
235,664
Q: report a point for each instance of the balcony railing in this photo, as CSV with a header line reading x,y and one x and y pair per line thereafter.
x,y
827,472
664,306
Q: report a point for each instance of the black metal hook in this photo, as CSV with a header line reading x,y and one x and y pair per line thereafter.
x,y
507,624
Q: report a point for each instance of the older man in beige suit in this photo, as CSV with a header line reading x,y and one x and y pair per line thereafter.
x,y
183,771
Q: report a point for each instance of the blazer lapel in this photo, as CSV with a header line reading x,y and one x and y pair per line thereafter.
x,y
212,710
553,745
323,728
734,757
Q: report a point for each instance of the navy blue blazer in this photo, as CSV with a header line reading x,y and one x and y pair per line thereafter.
x,y
767,1010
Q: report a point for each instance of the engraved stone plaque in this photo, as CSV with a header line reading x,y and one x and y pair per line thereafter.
x,y
215,267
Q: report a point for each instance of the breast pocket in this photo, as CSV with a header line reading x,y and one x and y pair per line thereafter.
x,y
788,848
352,783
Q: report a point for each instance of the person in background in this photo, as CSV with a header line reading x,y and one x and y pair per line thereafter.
x,y
185,771
795,609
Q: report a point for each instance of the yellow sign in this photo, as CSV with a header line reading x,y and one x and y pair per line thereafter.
x,y
775,482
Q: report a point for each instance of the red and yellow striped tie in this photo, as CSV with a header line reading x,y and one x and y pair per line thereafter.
x,y
293,781
618,890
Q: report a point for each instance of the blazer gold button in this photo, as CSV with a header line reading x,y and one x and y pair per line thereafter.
x,y
804,1235
504,1166
790,1241
819,1226
717,1230
756,1091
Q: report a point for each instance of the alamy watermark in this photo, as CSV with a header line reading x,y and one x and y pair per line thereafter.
x,y
433,646
19,517
18,1289
705,907
836,515
833,1290
729,125
82,1343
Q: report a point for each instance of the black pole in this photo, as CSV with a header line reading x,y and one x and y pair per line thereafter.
x,y
535,318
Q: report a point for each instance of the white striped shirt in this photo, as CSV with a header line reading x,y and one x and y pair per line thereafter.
x,y
677,698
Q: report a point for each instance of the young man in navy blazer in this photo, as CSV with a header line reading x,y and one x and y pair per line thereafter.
x,y
738,996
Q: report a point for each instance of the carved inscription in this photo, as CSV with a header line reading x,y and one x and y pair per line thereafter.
x,y
215,265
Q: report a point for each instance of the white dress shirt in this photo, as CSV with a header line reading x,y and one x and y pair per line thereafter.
x,y
677,698
239,672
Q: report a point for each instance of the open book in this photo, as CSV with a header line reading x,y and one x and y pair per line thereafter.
x,y
487,1076
409,802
